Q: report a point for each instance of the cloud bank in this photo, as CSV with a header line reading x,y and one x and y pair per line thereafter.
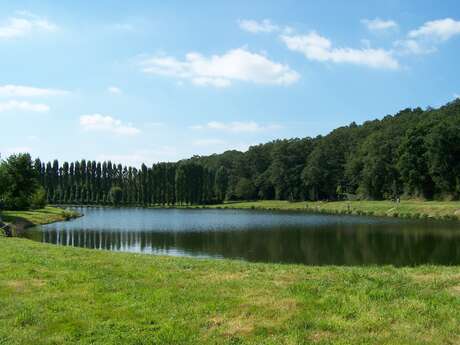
x,y
23,24
105,123
222,70
25,106
319,48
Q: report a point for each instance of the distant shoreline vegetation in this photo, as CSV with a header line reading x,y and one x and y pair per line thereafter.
x,y
414,154
406,209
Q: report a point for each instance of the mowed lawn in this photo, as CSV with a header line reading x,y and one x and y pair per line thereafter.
x,y
446,210
36,217
63,295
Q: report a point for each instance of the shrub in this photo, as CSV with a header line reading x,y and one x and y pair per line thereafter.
x,y
16,202
38,198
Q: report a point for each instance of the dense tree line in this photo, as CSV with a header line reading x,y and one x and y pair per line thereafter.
x,y
414,154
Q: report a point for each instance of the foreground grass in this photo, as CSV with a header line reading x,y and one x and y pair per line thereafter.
x,y
405,209
63,295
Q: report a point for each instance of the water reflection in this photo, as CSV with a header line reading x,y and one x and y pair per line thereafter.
x,y
260,236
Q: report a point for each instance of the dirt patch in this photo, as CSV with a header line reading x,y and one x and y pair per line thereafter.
x,y
288,279
455,290
21,285
215,322
258,311
320,336
17,285
231,326
284,306
239,326
432,277
278,280
424,278
228,276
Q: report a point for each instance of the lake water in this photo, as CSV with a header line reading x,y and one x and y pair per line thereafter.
x,y
259,236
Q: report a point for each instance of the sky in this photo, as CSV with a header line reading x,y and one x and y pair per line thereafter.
x,y
149,81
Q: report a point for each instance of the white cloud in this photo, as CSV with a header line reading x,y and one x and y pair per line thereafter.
x,y
264,26
236,126
13,105
378,24
415,47
25,23
98,122
28,91
114,90
319,48
440,30
424,40
221,70
456,95
255,27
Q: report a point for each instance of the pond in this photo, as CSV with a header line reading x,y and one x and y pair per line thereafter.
x,y
261,236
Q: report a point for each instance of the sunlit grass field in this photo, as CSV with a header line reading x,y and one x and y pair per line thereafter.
x,y
37,217
64,295
448,210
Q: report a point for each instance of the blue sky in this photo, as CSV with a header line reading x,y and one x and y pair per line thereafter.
x,y
145,81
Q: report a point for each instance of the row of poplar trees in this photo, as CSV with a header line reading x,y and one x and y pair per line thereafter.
x,y
90,182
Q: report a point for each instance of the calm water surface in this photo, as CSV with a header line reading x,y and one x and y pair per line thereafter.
x,y
259,236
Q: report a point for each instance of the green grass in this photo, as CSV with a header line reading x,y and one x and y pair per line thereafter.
x,y
63,295
23,219
446,210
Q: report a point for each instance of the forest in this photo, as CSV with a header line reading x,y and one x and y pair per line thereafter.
x,y
413,154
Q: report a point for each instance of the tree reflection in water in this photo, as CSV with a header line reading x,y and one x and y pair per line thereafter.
x,y
260,236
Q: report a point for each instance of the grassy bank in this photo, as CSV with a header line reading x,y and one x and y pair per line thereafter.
x,y
57,295
448,210
23,219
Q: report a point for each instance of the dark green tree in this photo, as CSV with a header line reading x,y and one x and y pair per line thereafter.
x,y
20,180
116,195
221,183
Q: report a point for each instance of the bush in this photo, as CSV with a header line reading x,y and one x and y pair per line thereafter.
x,y
68,215
16,203
38,198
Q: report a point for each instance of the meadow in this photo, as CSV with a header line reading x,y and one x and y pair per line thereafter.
x,y
441,210
63,295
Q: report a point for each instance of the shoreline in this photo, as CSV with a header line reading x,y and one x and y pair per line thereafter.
x,y
421,210
406,209
18,221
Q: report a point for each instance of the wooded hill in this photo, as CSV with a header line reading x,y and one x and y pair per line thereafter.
x,y
415,153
